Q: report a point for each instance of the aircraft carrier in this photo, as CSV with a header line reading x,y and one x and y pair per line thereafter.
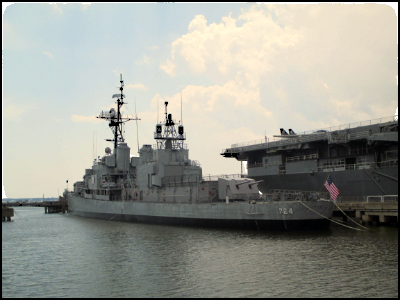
x,y
361,158
163,186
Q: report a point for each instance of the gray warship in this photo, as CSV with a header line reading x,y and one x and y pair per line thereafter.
x,y
361,158
163,186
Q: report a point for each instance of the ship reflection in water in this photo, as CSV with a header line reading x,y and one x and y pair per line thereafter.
x,y
56,255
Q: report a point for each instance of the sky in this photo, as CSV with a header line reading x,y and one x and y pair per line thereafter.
x,y
244,70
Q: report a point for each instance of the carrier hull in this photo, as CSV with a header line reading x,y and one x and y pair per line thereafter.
x,y
360,158
364,182
283,215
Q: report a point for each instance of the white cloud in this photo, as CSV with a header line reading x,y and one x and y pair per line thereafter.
x,y
144,60
15,111
294,66
214,117
227,48
56,8
138,86
48,54
154,47
307,53
168,68
12,111
85,6
14,39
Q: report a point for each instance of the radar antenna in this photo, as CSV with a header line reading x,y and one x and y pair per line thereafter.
x,y
115,117
170,138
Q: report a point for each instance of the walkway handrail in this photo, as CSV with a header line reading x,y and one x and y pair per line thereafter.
x,y
315,132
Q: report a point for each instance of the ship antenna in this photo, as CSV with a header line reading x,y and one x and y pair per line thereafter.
x,y
181,110
137,128
116,121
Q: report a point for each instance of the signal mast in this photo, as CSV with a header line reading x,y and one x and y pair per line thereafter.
x,y
115,118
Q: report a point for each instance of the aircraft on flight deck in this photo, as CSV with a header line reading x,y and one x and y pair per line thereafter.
x,y
292,134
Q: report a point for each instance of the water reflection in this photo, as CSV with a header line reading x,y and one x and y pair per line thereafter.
x,y
63,255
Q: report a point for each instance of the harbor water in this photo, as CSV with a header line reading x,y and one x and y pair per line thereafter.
x,y
60,255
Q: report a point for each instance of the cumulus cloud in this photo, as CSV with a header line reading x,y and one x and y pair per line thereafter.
x,y
296,66
309,53
219,114
227,48
168,68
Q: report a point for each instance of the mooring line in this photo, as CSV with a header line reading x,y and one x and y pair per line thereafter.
x,y
328,218
347,215
20,216
112,218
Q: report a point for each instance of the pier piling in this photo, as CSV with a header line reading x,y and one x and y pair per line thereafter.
x,y
6,214
375,213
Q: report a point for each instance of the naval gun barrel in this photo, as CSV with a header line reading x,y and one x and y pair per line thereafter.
x,y
246,181
256,182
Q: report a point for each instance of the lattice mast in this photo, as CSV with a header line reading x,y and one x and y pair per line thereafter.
x,y
115,117
170,138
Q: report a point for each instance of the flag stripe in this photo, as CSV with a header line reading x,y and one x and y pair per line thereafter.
x,y
332,189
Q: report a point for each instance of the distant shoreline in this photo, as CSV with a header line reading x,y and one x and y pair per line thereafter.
x,y
28,199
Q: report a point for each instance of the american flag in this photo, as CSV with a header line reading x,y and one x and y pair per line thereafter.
x,y
332,189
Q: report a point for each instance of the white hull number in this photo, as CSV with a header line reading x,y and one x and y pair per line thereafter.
x,y
285,211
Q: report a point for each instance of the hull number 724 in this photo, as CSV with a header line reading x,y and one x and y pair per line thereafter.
x,y
285,211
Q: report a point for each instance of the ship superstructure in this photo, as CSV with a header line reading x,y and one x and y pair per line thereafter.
x,y
361,158
162,185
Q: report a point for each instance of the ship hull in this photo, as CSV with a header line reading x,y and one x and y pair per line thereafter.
x,y
285,215
350,182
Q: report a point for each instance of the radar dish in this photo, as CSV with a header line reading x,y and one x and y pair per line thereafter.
x,y
108,150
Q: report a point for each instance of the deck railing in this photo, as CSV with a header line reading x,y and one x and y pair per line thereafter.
x,y
336,167
383,198
301,157
313,135
224,176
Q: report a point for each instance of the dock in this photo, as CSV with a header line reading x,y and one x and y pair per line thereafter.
x,y
6,213
59,206
369,212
